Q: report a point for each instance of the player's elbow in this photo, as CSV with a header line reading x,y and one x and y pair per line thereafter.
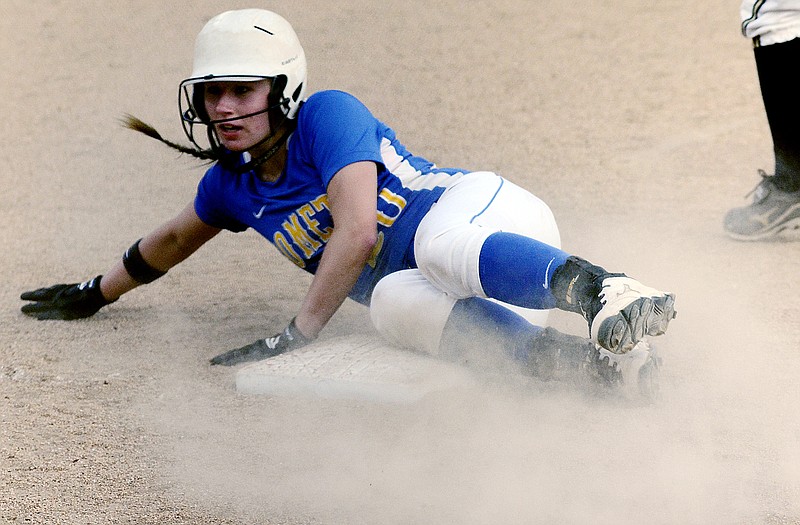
x,y
364,241
356,241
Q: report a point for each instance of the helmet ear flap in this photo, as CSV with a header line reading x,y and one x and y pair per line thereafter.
x,y
278,103
275,97
281,100
297,92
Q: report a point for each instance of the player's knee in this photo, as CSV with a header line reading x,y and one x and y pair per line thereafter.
x,y
409,311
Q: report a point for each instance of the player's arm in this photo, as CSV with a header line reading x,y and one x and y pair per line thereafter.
x,y
158,251
351,200
352,203
145,261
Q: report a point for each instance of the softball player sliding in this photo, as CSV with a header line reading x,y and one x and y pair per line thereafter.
x,y
452,255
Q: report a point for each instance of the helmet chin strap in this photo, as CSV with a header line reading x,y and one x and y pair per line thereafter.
x,y
264,157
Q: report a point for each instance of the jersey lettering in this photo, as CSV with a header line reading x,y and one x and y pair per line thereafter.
x,y
300,236
307,234
283,245
308,211
396,204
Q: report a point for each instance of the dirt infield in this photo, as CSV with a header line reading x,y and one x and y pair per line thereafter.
x,y
639,127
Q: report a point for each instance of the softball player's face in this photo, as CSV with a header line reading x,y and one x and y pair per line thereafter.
x,y
228,100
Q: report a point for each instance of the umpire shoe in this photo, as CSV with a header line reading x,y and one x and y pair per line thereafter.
x,y
774,214
635,373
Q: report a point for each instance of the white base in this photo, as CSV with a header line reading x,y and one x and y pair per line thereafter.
x,y
350,367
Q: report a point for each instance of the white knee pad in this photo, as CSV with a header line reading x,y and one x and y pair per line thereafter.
x,y
409,311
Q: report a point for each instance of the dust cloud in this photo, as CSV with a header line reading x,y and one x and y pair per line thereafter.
x,y
639,127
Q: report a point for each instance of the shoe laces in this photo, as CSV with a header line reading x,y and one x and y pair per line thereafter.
x,y
757,191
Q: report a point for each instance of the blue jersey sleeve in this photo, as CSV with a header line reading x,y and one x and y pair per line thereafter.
x,y
209,203
340,130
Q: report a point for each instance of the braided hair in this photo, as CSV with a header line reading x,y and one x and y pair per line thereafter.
x,y
213,154
131,122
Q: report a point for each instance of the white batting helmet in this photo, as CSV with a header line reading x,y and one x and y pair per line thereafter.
x,y
248,44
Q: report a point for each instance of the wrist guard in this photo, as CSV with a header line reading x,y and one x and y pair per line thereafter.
x,y
139,270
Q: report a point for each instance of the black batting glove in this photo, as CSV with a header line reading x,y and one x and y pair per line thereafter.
x,y
289,339
65,301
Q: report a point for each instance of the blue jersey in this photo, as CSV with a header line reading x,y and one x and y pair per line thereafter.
x,y
333,130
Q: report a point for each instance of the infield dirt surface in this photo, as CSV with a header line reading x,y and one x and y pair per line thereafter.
x,y
639,123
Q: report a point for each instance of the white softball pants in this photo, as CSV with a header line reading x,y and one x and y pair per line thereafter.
x,y
410,308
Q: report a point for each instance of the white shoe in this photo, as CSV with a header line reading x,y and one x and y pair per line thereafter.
x,y
635,372
628,311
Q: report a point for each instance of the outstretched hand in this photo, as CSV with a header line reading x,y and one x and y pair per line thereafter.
x,y
289,339
65,301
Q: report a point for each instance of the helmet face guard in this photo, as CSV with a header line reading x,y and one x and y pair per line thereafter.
x,y
244,46
192,108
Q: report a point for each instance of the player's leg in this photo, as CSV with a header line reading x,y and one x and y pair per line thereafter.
x,y
620,311
410,312
775,209
783,109
487,237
